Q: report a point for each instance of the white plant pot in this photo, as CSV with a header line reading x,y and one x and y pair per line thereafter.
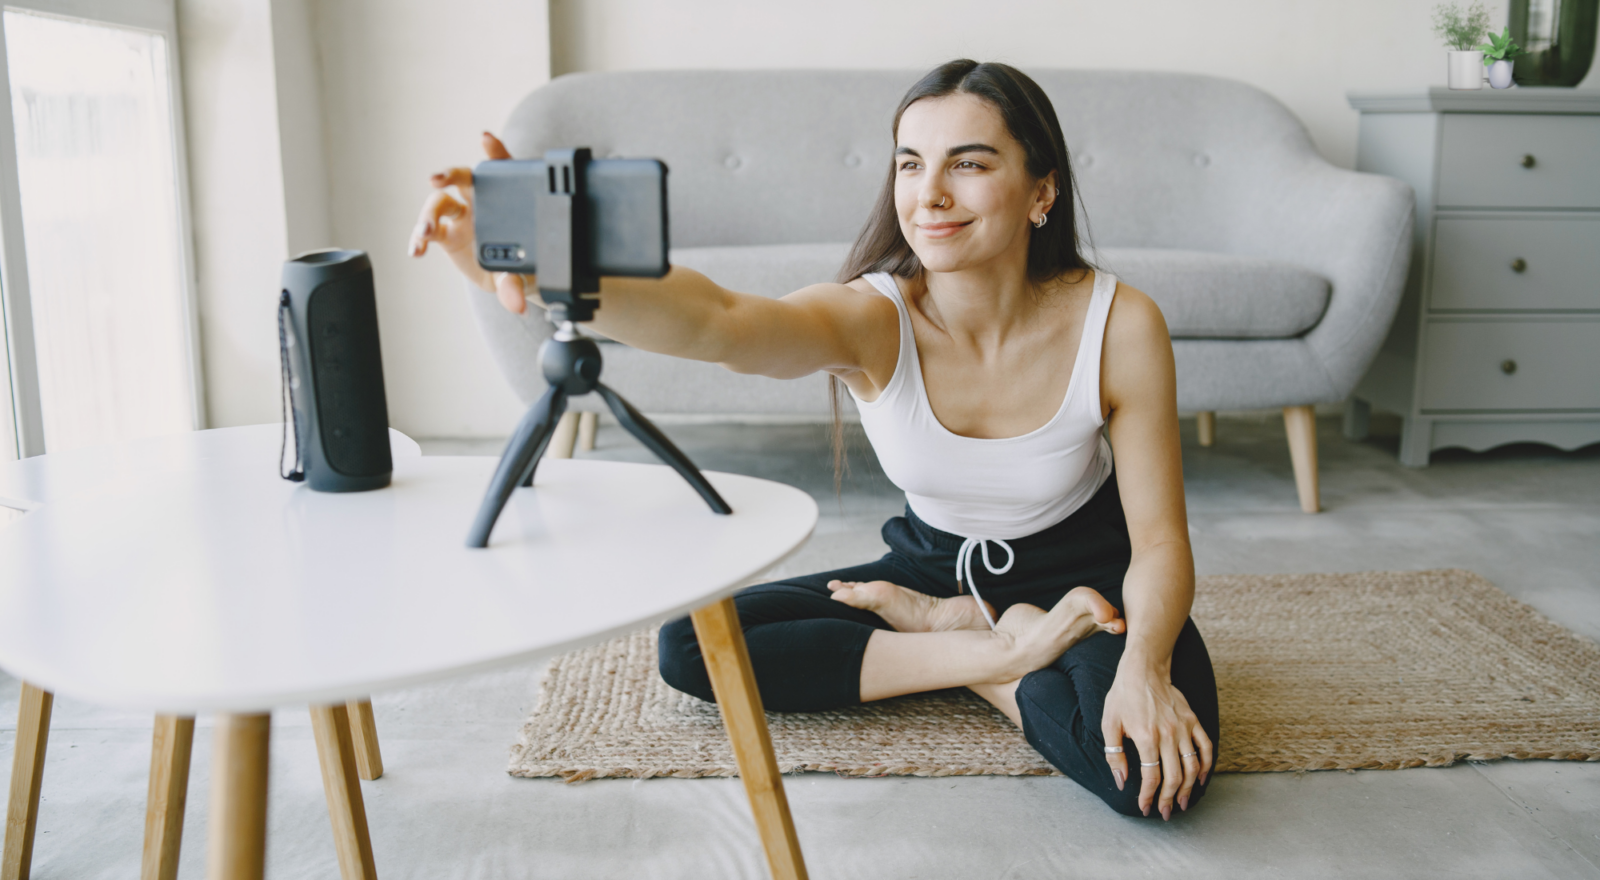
x,y
1500,74
1466,69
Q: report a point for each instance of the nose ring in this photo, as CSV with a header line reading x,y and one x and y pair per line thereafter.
x,y
941,202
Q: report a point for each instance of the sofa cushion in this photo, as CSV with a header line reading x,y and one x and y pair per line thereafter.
x,y
1222,296
767,269
1202,295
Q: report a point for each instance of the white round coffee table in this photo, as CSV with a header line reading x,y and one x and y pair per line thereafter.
x,y
223,588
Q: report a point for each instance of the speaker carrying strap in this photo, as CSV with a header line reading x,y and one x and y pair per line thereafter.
x,y
291,415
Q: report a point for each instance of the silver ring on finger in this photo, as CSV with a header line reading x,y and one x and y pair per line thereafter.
x,y
1113,750
1188,755
1149,763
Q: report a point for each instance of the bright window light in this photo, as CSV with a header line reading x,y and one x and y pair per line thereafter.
x,y
96,161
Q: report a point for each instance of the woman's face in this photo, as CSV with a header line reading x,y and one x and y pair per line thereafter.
x,y
962,188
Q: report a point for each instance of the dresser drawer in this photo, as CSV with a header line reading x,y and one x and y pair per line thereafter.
x,y
1553,365
1516,263
1482,156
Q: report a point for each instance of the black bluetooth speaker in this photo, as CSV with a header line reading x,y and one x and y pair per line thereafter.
x,y
328,330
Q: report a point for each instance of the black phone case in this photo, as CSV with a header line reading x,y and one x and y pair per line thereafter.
x,y
627,214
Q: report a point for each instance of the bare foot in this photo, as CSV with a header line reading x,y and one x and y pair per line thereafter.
x,y
1038,637
910,611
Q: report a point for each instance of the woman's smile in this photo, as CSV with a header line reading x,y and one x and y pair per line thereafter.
x,y
943,229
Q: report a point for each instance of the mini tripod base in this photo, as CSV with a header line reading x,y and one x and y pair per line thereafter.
x,y
571,365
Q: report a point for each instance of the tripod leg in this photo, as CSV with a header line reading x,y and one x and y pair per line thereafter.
x,y
518,461
544,444
657,442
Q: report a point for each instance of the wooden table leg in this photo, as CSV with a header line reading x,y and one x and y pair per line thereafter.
x,y
722,645
336,750
170,749
27,774
364,729
237,843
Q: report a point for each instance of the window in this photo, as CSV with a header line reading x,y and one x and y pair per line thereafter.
x,y
99,315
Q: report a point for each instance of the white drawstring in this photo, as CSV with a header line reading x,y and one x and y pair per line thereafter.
x,y
964,566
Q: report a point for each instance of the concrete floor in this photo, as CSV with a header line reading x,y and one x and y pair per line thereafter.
x,y
1525,517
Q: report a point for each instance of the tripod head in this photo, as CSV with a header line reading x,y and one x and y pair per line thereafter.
x,y
569,361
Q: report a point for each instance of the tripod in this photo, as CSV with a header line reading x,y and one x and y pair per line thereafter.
x,y
571,364
565,235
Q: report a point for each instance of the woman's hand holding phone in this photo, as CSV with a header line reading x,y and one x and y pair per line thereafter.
x,y
446,218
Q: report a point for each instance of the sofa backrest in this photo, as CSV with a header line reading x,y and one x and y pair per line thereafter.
x,y
779,157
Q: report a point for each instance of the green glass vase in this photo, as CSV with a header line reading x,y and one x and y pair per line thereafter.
x,y
1559,37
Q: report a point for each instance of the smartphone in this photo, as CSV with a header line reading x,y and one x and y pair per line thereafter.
x,y
627,215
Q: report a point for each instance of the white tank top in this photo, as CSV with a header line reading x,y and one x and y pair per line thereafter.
x,y
992,489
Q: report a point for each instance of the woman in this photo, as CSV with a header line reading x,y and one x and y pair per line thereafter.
x,y
985,355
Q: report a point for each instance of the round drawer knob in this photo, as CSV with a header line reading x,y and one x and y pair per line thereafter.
x,y
1508,366
1519,265
1528,160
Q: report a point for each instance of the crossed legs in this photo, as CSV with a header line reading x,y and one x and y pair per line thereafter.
x,y
1048,669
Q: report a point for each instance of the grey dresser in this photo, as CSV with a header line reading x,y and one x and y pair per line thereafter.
x,y
1498,335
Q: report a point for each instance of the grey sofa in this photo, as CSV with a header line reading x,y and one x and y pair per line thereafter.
x,y
1278,273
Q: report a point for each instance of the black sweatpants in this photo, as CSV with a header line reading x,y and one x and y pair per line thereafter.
x,y
806,648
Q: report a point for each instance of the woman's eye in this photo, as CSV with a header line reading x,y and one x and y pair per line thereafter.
x,y
907,166
967,163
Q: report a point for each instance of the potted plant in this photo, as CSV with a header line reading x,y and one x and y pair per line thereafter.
x,y
1498,55
1462,29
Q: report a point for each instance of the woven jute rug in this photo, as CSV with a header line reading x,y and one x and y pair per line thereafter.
x,y
1377,670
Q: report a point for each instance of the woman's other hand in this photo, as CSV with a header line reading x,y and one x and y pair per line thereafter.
x,y
446,218
1144,706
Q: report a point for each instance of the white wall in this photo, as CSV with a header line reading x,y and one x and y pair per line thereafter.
x,y
314,123
237,201
1307,53
408,86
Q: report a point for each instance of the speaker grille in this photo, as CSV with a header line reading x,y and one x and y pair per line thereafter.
x,y
342,321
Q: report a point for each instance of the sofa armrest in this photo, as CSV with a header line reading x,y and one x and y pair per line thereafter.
x,y
1355,229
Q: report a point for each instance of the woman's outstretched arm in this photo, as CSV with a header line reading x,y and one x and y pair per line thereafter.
x,y
833,327
1139,387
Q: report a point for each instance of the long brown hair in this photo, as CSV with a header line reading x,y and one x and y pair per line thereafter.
x,y
1053,250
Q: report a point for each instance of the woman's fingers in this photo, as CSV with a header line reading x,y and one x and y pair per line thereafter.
x,y
431,225
493,148
1203,745
1111,732
1149,772
457,177
1191,770
1173,771
508,288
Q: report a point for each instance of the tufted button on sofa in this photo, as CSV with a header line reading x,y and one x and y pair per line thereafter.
x,y
1277,272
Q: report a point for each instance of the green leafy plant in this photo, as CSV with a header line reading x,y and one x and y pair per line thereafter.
x,y
1461,29
1500,48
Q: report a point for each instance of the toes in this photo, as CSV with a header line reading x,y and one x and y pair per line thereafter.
x,y
850,594
1103,612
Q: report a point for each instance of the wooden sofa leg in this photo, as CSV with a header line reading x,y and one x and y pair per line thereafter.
x,y
1206,424
170,750
1300,422
588,423
564,437
27,774
364,730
